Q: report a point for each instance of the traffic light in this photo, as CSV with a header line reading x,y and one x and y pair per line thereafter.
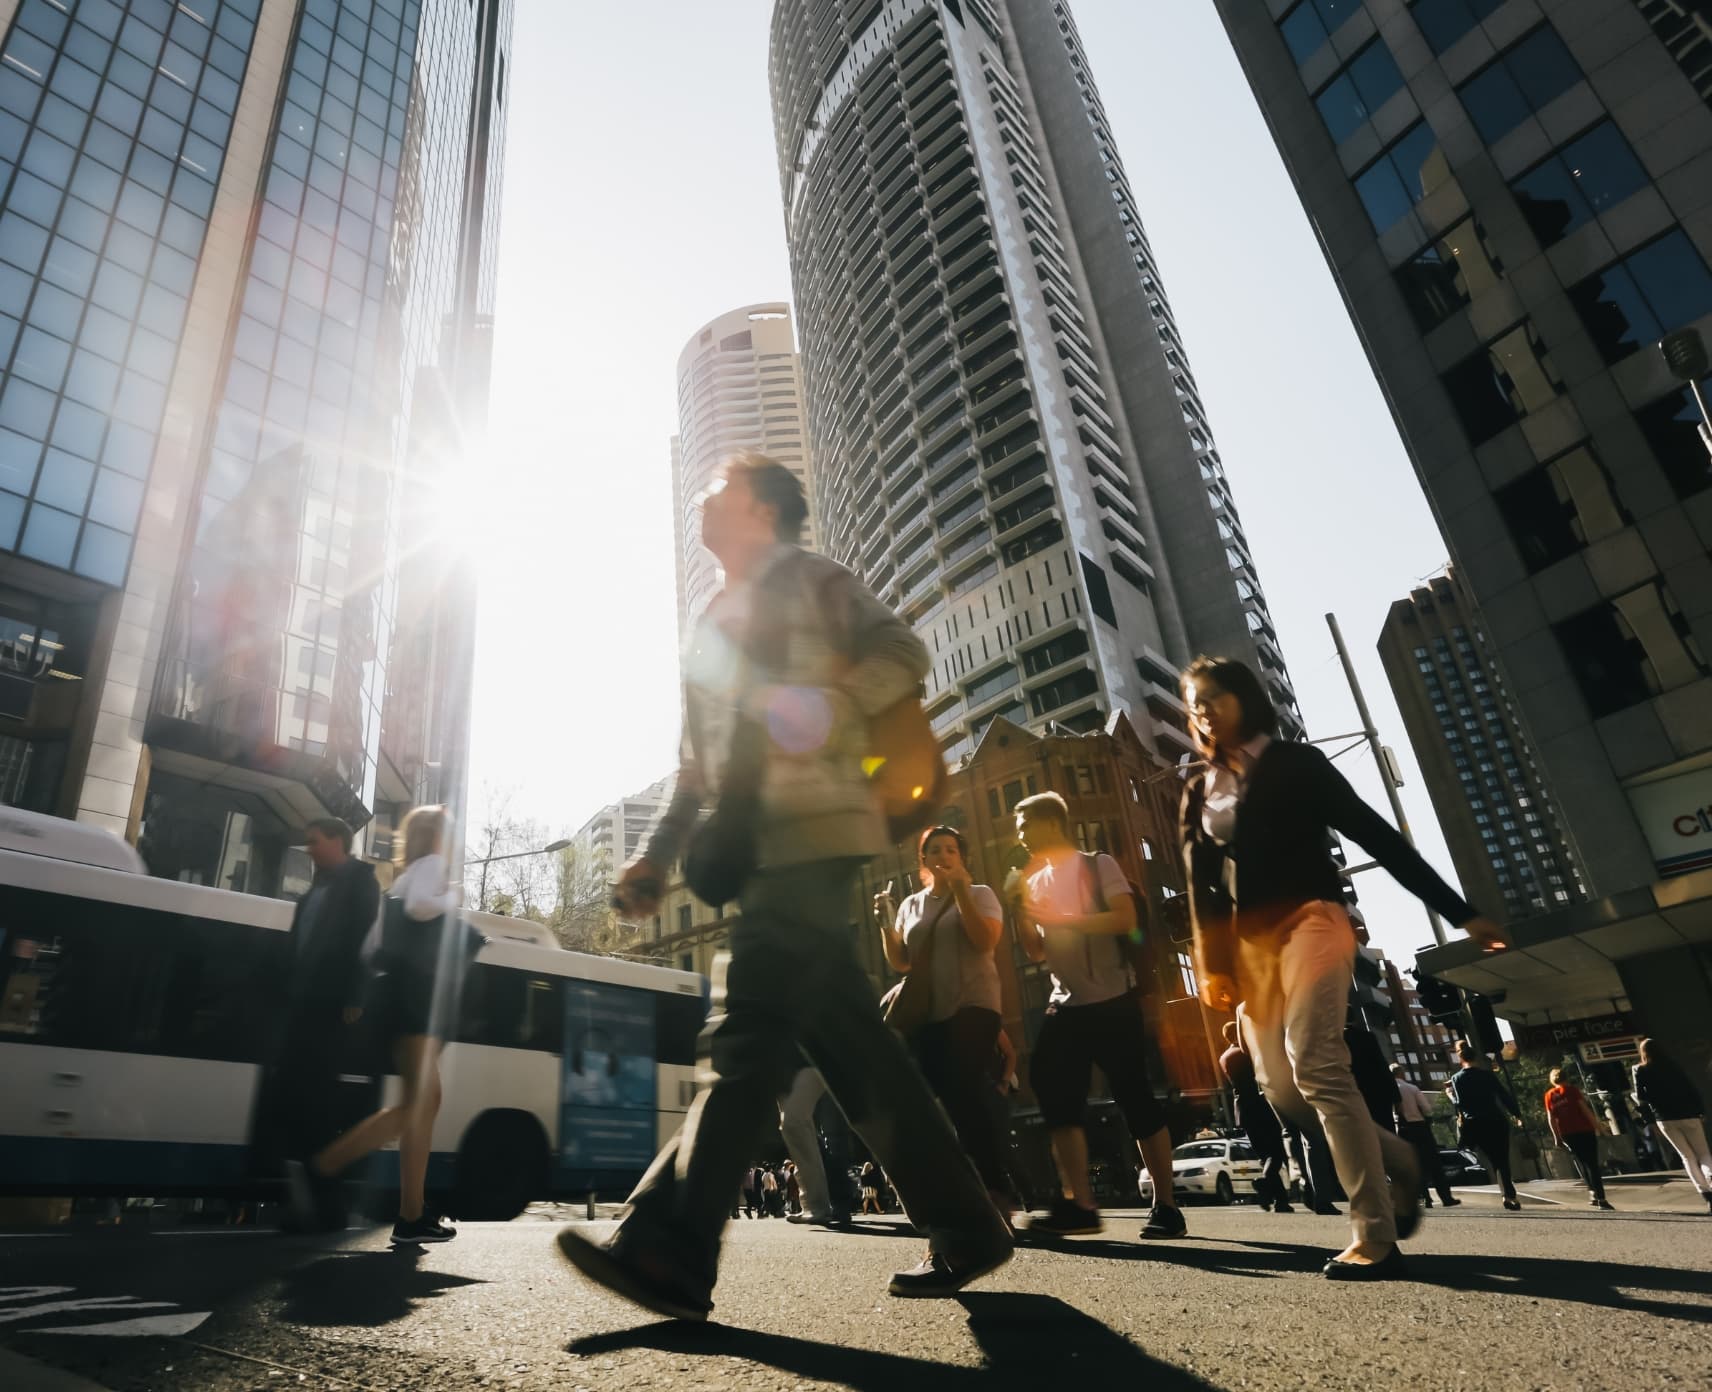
x,y
1440,998
1486,1034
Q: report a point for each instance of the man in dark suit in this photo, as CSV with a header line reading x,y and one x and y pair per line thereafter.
x,y
323,1005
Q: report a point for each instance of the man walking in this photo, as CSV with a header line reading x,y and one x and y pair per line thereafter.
x,y
1076,911
325,1002
1575,1127
797,1108
794,643
1258,1121
1415,1125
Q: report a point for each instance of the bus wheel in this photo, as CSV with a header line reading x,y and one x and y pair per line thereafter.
x,y
502,1165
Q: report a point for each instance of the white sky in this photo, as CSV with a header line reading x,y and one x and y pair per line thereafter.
x,y
641,199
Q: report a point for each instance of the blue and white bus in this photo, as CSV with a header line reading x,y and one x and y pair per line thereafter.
x,y
136,1015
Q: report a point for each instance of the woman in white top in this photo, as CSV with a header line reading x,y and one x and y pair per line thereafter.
x,y
417,1003
950,928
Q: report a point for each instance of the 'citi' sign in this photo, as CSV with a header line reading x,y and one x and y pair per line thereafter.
x,y
1675,813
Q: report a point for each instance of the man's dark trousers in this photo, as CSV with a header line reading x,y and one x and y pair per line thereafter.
x,y
1420,1135
793,989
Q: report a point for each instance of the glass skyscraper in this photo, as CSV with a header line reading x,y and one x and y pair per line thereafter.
x,y
1006,438
247,285
1514,199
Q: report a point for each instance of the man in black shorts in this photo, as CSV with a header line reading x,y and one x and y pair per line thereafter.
x,y
1076,912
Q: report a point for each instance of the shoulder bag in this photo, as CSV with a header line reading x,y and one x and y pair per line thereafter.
x,y
909,1005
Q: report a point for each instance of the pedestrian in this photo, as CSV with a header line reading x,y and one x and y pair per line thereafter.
x,y
1076,911
1415,1125
325,988
1258,1121
751,1191
1576,1129
1372,1074
416,998
793,1191
1485,1113
948,930
1664,1089
772,1203
797,1109
1271,930
787,668
871,1189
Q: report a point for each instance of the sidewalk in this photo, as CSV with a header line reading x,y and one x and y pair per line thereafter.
x,y
1627,1193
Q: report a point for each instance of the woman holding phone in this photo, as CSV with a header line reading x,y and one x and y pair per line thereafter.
x,y
950,928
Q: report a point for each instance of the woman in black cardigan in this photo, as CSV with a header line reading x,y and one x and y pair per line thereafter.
x,y
1272,932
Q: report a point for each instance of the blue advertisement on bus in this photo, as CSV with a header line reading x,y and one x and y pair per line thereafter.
x,y
608,1096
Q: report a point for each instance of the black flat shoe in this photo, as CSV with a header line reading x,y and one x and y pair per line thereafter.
x,y
646,1282
1389,1268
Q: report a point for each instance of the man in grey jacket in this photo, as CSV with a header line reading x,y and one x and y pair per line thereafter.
x,y
793,987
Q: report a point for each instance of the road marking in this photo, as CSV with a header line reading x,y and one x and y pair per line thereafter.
x,y
31,1292
104,1303
157,1326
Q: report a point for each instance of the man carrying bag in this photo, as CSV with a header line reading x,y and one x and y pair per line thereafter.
x,y
796,662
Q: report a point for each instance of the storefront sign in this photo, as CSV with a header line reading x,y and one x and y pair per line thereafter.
x,y
1564,1034
1675,813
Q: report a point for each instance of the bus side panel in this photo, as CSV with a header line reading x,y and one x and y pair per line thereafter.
x,y
477,1078
77,1118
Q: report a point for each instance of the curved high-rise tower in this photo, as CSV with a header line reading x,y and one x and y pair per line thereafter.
x,y
1007,441
739,387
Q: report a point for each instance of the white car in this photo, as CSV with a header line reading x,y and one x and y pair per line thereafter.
x,y
1217,1169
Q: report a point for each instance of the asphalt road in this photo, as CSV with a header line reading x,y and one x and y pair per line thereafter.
x,y
1553,1297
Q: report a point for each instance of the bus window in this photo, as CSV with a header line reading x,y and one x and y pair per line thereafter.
x,y
511,1009
677,1025
73,982
222,998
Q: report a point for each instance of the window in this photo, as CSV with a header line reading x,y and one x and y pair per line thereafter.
x,y
991,684
1672,428
1587,177
1554,511
1349,100
1412,168
1496,387
1049,655
1446,274
1099,591
1525,78
1635,301
1443,22
511,1009
686,915
1062,692
1307,26
1629,649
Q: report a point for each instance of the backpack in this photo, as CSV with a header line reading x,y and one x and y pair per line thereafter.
x,y
1132,949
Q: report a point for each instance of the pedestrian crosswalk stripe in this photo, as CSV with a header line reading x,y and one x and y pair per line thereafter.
x,y
160,1326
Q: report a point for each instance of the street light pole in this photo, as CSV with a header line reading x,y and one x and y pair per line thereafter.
x,y
551,848
1380,756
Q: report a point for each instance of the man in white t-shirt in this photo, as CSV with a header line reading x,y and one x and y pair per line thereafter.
x,y
1076,913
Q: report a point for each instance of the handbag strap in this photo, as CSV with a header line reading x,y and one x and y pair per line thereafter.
x,y
926,937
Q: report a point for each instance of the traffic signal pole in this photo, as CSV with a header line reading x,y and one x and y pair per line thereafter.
x,y
1380,757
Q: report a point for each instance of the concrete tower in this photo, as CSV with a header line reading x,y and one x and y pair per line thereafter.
x,y
1008,442
739,387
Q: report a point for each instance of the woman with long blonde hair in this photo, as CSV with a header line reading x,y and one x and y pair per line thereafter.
x,y
417,1003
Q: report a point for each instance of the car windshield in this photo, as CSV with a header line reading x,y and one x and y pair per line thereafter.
x,y
1201,1150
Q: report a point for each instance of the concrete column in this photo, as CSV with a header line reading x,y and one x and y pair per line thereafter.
x,y
116,769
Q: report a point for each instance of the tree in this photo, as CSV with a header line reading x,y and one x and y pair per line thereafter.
x,y
583,918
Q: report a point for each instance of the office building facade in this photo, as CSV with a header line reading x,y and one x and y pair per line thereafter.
x,y
1514,197
248,288
739,388
1486,786
1007,441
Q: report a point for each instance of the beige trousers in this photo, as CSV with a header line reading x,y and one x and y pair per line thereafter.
x,y
1294,982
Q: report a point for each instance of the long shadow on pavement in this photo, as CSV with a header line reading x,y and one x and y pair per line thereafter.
x,y
1024,1337
1606,1285
363,1288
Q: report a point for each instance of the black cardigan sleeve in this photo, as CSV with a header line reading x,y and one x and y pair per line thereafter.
x,y
1344,811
